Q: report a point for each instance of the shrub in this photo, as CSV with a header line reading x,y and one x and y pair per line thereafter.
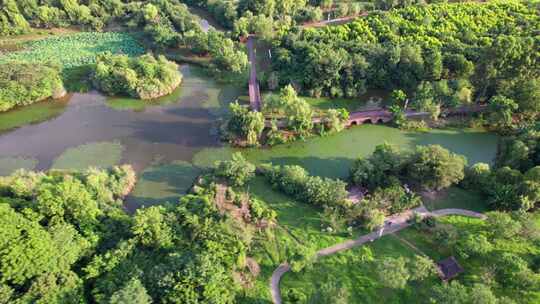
x,y
238,171
295,181
144,77
245,124
24,83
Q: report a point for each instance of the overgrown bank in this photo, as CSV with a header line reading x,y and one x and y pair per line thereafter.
x,y
24,83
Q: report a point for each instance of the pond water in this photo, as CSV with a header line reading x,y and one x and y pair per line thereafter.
x,y
170,140
168,129
333,155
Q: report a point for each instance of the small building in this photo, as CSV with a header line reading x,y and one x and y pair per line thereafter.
x,y
449,268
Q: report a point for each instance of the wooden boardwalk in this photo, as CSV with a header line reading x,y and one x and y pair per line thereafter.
x,y
254,89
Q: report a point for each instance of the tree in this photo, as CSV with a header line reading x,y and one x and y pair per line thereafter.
x,y
474,245
380,168
446,235
393,272
521,151
245,124
502,225
452,293
478,176
421,268
482,294
294,295
513,271
152,228
302,257
22,84
374,218
398,97
265,7
225,56
398,115
434,167
394,198
144,77
330,291
238,170
500,111
335,120
133,292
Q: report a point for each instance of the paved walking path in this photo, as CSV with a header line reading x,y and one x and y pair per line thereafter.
x,y
398,222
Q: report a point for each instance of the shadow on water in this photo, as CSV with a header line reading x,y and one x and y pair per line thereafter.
x,y
334,167
172,128
162,183
475,145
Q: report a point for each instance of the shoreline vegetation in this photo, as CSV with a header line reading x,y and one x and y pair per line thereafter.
x,y
23,84
144,77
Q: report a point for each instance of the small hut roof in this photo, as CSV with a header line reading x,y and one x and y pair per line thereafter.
x,y
449,268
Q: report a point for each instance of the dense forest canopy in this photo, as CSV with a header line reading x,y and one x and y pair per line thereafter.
x,y
66,239
442,53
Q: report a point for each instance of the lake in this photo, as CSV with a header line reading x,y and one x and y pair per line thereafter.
x,y
170,140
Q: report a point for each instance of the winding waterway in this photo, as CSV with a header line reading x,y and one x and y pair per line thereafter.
x,y
169,140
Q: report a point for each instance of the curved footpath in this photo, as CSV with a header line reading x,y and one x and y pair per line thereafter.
x,y
393,224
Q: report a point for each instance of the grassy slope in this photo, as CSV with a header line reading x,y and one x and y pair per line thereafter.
x,y
359,277
299,224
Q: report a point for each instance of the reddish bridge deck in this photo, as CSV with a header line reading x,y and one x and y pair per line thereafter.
x,y
383,115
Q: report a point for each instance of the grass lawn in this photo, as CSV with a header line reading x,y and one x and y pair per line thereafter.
x,y
455,197
350,270
100,155
299,224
